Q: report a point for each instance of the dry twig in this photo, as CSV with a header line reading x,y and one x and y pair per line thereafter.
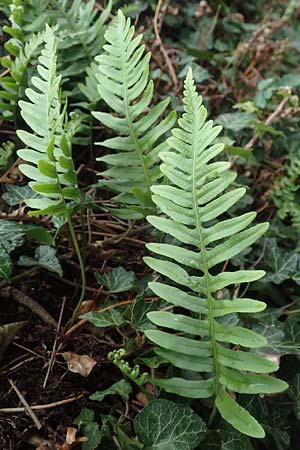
x,y
11,292
26,405
46,406
158,42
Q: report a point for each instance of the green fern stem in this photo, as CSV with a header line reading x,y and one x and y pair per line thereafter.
x,y
204,258
130,125
82,268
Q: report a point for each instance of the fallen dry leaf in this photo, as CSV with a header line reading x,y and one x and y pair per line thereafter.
x,y
85,307
82,364
71,440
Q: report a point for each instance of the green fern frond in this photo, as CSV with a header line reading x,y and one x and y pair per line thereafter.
x,y
49,144
13,83
82,35
124,85
15,29
192,202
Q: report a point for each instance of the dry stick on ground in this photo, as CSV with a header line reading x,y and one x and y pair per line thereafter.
x,y
26,405
53,353
269,120
11,292
46,406
158,42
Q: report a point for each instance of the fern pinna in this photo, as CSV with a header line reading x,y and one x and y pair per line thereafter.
x,y
192,202
124,85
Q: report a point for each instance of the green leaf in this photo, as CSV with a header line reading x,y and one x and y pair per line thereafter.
x,y
164,425
237,416
283,264
39,233
139,310
45,256
93,433
110,318
90,429
15,195
86,416
235,121
118,280
11,235
122,388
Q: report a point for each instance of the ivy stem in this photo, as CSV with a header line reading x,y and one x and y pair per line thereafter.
x,y
82,268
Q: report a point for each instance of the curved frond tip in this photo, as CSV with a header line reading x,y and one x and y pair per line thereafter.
x,y
48,157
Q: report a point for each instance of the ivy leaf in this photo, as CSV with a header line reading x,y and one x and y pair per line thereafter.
x,y
93,433
112,317
164,425
200,73
235,121
118,280
5,264
11,235
294,394
139,311
86,416
91,429
122,388
234,440
284,264
283,338
18,194
45,256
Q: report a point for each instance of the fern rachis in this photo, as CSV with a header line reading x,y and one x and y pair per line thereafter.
x,y
192,203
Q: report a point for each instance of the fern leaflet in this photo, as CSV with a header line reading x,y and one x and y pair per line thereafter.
x,y
192,203
124,85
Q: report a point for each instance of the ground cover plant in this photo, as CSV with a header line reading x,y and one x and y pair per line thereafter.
x,y
149,232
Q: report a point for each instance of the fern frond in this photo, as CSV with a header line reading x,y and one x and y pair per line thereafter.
x,y
193,203
124,85
49,144
13,84
15,29
82,35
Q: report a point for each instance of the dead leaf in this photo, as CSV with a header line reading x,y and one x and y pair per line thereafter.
x,y
82,364
86,307
7,334
71,440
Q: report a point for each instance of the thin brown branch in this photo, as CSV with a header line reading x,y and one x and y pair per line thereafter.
x,y
26,405
158,42
270,119
11,292
46,406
